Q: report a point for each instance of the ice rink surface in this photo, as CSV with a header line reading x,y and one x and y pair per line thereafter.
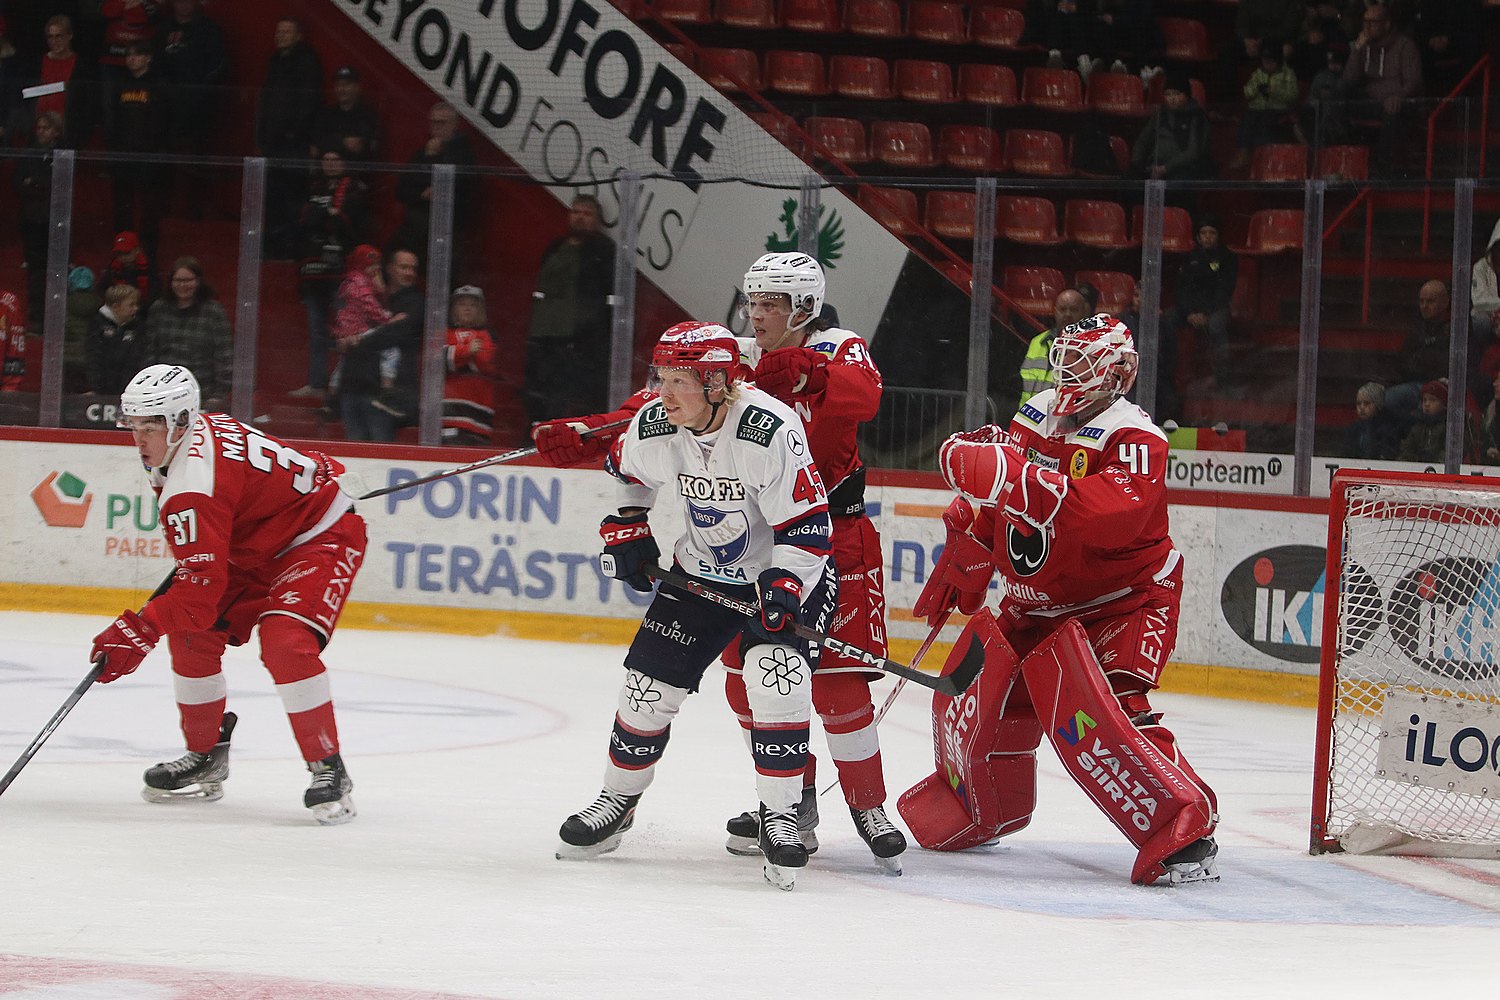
x,y
467,753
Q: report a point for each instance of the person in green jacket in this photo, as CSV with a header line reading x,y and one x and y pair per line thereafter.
x,y
1069,307
1271,96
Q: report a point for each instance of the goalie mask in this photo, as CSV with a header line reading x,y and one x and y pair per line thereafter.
x,y
1093,362
166,391
795,275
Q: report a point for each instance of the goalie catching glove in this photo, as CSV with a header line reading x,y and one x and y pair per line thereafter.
x,y
120,648
628,549
561,442
961,577
780,595
792,371
988,467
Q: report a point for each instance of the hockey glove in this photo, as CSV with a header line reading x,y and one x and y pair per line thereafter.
x,y
561,442
1035,498
628,548
792,371
780,596
980,464
123,646
961,577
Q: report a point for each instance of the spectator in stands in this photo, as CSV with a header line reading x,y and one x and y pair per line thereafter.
x,y
334,220
1271,102
61,67
1424,353
12,343
567,342
1484,291
1322,31
376,402
469,389
1376,432
189,327
1489,428
349,123
115,345
33,179
138,132
129,265
1205,287
289,99
1450,35
1324,115
1383,73
9,95
1174,143
1070,306
83,304
445,144
358,305
1094,32
193,61
1278,21
125,21
1428,438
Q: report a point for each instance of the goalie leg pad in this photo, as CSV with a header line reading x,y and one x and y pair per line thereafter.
x,y
643,724
985,744
1156,802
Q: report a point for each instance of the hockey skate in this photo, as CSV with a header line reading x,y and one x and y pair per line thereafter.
x,y
328,795
781,843
880,834
1197,862
193,777
597,829
744,829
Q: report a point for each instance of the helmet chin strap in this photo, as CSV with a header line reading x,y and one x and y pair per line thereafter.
x,y
713,413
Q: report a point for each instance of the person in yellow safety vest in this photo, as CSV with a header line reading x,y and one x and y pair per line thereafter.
x,y
1069,307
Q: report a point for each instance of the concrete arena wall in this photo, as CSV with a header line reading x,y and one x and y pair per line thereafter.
x,y
510,550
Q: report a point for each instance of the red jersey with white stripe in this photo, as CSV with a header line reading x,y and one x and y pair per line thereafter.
x,y
233,496
1109,541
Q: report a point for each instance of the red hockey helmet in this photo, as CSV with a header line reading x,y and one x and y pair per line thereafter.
x,y
10,310
705,348
1092,361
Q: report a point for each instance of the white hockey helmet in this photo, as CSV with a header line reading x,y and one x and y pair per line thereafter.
x,y
1093,361
166,391
795,275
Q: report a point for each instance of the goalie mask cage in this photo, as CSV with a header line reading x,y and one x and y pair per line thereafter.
x,y
1408,737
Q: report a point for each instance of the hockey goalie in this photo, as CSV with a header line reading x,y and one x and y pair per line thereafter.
x,y
1069,507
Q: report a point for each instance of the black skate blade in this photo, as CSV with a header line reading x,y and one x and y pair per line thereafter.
x,y
208,791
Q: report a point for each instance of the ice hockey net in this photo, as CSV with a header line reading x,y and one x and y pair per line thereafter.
x,y
1408,742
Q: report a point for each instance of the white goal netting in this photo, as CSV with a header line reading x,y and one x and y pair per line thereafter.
x,y
1413,738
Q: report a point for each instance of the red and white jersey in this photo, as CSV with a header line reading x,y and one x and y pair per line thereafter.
x,y
833,416
752,495
234,496
1109,540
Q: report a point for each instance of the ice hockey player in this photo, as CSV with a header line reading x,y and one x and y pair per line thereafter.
x,y
758,530
262,535
827,376
1070,507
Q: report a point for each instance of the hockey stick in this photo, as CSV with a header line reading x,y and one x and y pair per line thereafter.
x,y
952,684
509,456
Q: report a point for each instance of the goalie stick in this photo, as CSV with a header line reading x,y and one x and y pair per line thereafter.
x,y
951,685
484,463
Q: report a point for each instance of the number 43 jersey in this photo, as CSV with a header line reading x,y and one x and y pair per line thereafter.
x,y
233,496
1110,537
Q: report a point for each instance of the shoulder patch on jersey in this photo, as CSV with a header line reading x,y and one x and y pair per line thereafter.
x,y
758,426
1091,432
1032,414
824,347
654,422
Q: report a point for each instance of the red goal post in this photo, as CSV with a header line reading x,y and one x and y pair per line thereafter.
x,y
1408,727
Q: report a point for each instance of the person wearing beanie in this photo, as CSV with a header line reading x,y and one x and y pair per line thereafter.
x,y
1174,143
1270,104
82,306
469,390
129,265
1205,287
1428,438
1376,432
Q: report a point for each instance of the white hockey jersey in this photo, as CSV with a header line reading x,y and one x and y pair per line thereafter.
x,y
752,495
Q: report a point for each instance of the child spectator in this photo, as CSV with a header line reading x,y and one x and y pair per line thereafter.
x,y
83,305
469,391
1271,93
1376,433
1489,429
335,218
115,345
129,265
1427,440
1174,143
12,343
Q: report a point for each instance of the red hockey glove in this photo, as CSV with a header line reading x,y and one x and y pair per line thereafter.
x,y
961,577
980,464
123,645
628,547
1035,498
780,596
792,371
561,442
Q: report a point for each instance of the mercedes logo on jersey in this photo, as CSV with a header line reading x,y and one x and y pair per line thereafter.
x,y
1027,553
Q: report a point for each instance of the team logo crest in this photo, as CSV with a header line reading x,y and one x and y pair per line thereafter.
x,y
1079,466
1027,553
725,533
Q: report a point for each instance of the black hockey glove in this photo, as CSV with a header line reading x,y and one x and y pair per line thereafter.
x,y
780,596
628,547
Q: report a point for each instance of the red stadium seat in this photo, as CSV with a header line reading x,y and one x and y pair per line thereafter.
x,y
865,77
937,21
796,73
1116,289
971,147
810,15
1052,89
1185,38
924,80
873,18
747,13
684,53
730,69
1032,221
1350,163
843,138
902,144
1033,289
1176,228
1098,224
894,208
1117,94
1117,148
685,11
1278,161
781,127
986,83
1036,153
1273,230
951,214
997,27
